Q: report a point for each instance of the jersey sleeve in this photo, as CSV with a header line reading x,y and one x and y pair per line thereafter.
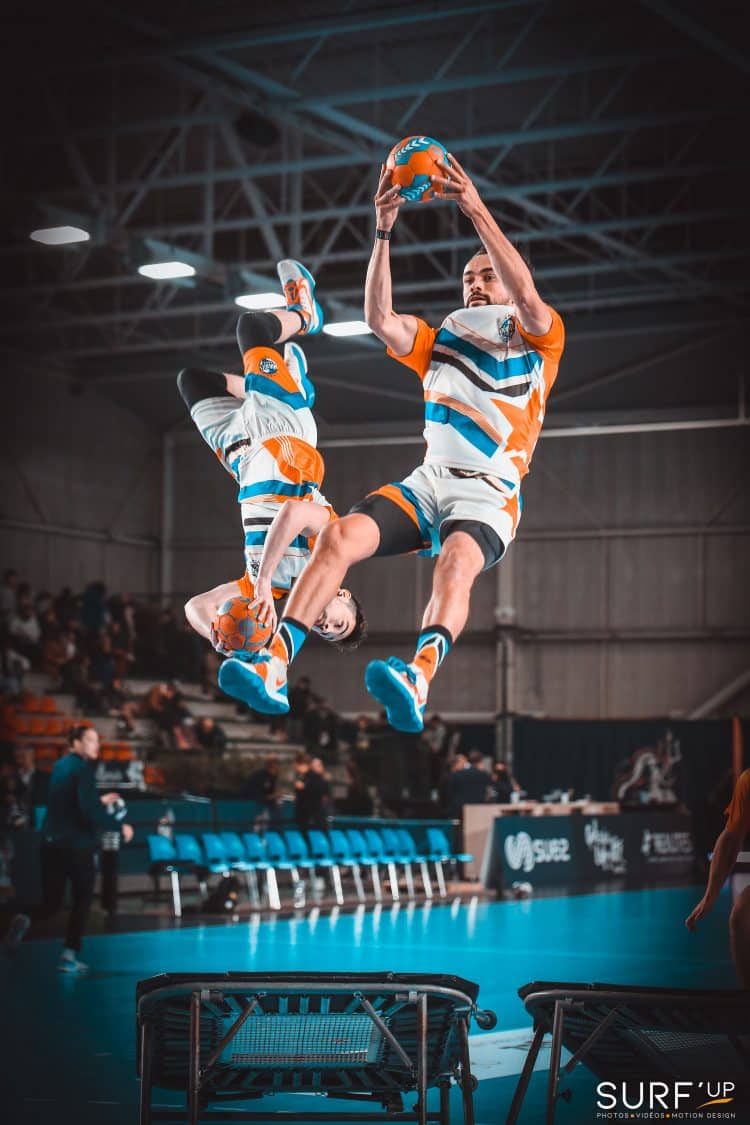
x,y
551,344
418,359
738,809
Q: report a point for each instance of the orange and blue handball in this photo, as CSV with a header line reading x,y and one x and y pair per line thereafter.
x,y
412,164
237,627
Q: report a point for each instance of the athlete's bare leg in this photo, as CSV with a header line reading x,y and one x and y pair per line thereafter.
x,y
201,609
459,562
739,937
340,545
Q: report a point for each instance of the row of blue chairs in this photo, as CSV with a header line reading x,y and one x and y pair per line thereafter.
x,y
339,850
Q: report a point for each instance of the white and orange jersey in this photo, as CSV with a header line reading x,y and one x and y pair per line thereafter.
x,y
486,382
266,441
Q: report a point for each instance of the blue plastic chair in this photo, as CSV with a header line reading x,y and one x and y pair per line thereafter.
x,y
409,848
347,856
440,852
394,851
320,853
238,861
278,856
359,849
255,853
377,848
163,861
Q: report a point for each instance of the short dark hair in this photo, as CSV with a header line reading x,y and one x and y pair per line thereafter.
x,y
480,249
358,633
76,733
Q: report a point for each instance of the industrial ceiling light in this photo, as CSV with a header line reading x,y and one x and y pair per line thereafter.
x,y
163,271
347,328
59,236
260,301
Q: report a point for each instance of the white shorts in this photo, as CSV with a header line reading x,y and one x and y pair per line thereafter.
x,y
416,514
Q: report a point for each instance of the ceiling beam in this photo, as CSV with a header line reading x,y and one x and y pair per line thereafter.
x,y
698,32
295,30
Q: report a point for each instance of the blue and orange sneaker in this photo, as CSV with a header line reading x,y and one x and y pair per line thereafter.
x,y
262,684
299,292
402,689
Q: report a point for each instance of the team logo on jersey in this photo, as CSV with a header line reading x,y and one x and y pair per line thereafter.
x,y
267,366
506,329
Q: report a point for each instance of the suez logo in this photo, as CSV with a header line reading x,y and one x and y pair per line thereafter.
x,y
524,854
650,1096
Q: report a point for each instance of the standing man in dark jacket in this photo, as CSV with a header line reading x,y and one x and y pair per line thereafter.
x,y
75,819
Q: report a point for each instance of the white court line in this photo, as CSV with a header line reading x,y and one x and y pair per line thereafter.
x,y
501,1054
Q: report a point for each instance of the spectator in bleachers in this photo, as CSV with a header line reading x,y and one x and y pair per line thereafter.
x,y
434,738
13,665
362,734
121,649
67,606
502,784
209,735
8,596
94,612
357,801
56,655
31,784
261,784
467,784
300,697
320,730
313,796
164,705
25,631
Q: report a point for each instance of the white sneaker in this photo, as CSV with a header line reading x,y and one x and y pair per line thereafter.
x,y
296,362
299,292
402,689
69,963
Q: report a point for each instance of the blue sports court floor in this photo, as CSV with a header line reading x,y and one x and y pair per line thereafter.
x,y
69,1043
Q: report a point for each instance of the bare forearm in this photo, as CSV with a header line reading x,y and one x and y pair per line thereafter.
x,y
378,286
726,850
506,261
295,517
235,384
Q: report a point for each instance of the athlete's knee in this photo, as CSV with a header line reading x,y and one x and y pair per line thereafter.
x,y
460,561
343,540
195,385
257,330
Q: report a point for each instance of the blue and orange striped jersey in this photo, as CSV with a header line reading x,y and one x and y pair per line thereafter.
x,y
486,382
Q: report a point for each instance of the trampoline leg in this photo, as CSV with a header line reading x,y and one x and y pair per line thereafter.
x,y
176,897
377,890
467,1078
144,1116
393,880
445,1103
525,1077
440,878
422,1058
426,881
195,1058
272,888
554,1062
252,887
409,880
358,882
337,888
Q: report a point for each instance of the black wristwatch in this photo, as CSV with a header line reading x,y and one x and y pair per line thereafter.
x,y
384,234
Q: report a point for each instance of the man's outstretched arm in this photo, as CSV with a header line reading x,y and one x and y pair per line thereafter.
x,y
294,517
396,331
534,314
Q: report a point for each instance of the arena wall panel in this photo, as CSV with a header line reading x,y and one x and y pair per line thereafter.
x,y
80,481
